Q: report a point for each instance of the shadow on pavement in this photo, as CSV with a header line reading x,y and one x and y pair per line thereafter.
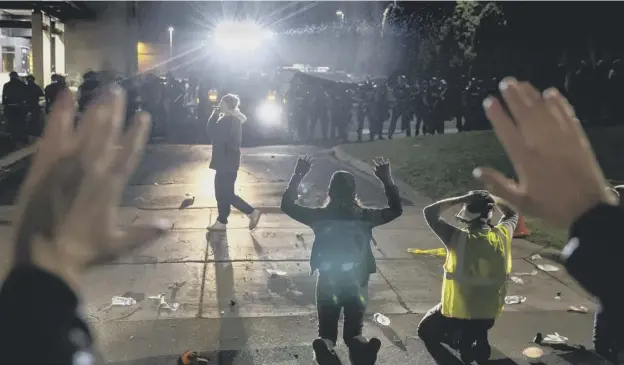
x,y
297,288
231,327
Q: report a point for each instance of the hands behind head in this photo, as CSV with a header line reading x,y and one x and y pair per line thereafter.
x,y
67,207
304,164
382,169
558,176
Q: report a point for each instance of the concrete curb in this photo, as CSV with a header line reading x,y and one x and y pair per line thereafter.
x,y
405,190
13,158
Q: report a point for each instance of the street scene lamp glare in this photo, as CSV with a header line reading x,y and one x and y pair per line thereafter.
x,y
170,29
340,14
244,36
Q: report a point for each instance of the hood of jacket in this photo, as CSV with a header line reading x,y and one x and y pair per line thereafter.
x,y
237,114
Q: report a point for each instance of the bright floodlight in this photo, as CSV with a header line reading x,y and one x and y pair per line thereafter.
x,y
170,29
269,114
241,35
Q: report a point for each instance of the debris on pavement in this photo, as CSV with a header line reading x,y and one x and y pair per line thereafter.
x,y
300,236
177,285
275,273
515,299
548,268
538,338
559,296
232,303
159,302
555,339
381,320
578,309
517,280
189,199
122,302
533,353
440,252
537,256
532,273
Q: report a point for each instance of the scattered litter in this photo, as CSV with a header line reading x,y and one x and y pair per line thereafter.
x,y
554,339
155,183
275,273
122,302
537,256
517,280
300,236
131,337
232,303
189,199
558,296
381,320
159,302
515,299
440,252
548,268
533,352
538,338
578,309
222,312
532,273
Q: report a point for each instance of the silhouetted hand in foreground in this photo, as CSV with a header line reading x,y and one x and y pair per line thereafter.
x,y
382,170
67,207
304,164
558,175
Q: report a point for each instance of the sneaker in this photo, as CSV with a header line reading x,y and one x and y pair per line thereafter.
x,y
254,218
324,354
217,226
363,351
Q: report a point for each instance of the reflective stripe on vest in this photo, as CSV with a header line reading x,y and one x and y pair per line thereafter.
x,y
460,276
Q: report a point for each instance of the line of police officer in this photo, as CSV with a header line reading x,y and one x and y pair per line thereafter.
x,y
429,102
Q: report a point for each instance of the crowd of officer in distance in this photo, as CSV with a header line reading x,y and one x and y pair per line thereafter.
x,y
337,105
26,105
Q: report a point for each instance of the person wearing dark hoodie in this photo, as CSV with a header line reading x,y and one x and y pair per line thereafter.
x,y
225,129
342,255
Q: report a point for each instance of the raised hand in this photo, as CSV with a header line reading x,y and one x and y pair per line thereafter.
x,y
67,207
558,175
382,169
304,164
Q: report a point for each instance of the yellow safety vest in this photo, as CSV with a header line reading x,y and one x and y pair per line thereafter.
x,y
475,274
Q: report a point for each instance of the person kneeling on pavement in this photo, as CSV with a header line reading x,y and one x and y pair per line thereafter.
x,y
342,255
477,264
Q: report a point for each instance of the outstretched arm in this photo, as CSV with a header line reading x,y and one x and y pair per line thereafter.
x,y
438,225
394,210
289,205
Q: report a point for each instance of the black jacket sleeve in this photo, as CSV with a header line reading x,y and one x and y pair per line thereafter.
x,y
394,210
295,211
594,253
39,321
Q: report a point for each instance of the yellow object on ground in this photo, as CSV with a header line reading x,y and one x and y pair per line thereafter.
x,y
433,252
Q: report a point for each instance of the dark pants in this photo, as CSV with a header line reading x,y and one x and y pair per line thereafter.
x,y
607,343
406,119
16,122
331,298
458,333
224,192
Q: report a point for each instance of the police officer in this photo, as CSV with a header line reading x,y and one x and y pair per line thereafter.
x,y
364,98
87,89
475,274
33,95
13,101
472,103
401,107
53,90
319,112
454,101
342,104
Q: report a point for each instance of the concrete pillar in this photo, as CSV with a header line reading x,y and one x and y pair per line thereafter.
x,y
59,54
40,43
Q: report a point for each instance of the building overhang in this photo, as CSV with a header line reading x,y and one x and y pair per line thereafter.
x,y
62,10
